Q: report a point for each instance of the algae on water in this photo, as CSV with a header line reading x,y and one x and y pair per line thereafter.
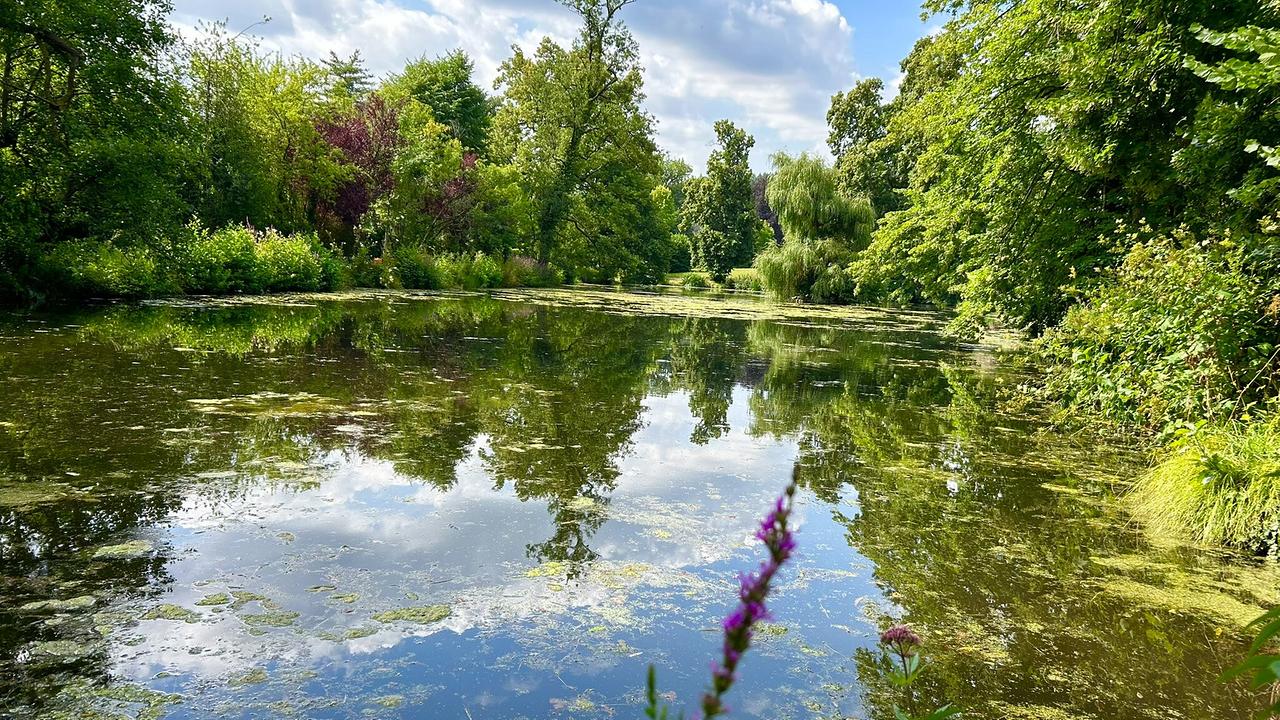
x,y
425,615
123,551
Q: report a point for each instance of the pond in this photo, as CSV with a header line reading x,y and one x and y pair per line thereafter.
x,y
510,505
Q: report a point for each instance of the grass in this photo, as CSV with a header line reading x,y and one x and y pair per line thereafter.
x,y
1219,486
739,279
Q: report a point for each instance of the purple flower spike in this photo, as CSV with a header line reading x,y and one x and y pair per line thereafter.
x,y
754,589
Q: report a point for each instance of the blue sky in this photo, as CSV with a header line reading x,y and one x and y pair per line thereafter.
x,y
769,65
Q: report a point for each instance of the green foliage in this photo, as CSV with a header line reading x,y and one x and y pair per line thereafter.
x,y
803,192
522,271
1030,128
260,158
745,279
1182,330
718,214
807,270
1262,665
444,85
570,121
92,139
94,268
286,262
417,268
1218,485
220,262
1251,119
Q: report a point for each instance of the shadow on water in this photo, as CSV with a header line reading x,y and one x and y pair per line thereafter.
x,y
508,505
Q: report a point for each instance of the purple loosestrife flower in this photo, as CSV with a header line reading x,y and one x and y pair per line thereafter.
x,y
753,590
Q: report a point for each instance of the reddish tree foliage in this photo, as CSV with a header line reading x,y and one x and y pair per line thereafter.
x,y
368,139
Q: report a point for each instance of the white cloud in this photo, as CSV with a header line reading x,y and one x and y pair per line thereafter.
x,y
768,65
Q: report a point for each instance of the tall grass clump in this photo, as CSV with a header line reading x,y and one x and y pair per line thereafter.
x,y
1220,485
745,279
523,271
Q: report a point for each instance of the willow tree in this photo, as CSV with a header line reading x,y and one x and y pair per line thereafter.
x,y
570,119
823,229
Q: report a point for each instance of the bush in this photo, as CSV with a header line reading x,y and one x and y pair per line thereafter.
x,y
1179,332
416,269
220,262
100,269
1220,485
366,271
807,270
521,271
695,280
286,263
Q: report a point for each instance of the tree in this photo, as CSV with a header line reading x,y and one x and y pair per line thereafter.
x,y
261,158
1037,126
719,213
760,193
571,121
349,76
824,229
368,139
445,86
675,173
91,134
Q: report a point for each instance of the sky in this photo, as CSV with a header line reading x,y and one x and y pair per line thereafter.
x,y
771,66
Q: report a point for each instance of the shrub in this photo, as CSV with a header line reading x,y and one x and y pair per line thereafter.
x,y
416,269
480,271
223,261
98,268
286,263
1180,331
695,280
807,270
1220,485
521,271
367,271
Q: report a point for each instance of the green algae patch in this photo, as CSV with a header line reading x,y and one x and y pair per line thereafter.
x,y
771,630
214,599
346,598
1234,595
169,611
359,632
82,602
1009,711
389,701
62,650
28,495
244,597
551,568
424,615
124,551
321,588
274,618
147,704
256,676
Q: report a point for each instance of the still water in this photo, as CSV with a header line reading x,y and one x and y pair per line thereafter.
x,y
508,506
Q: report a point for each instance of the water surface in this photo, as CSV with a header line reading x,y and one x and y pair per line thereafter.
x,y
508,506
